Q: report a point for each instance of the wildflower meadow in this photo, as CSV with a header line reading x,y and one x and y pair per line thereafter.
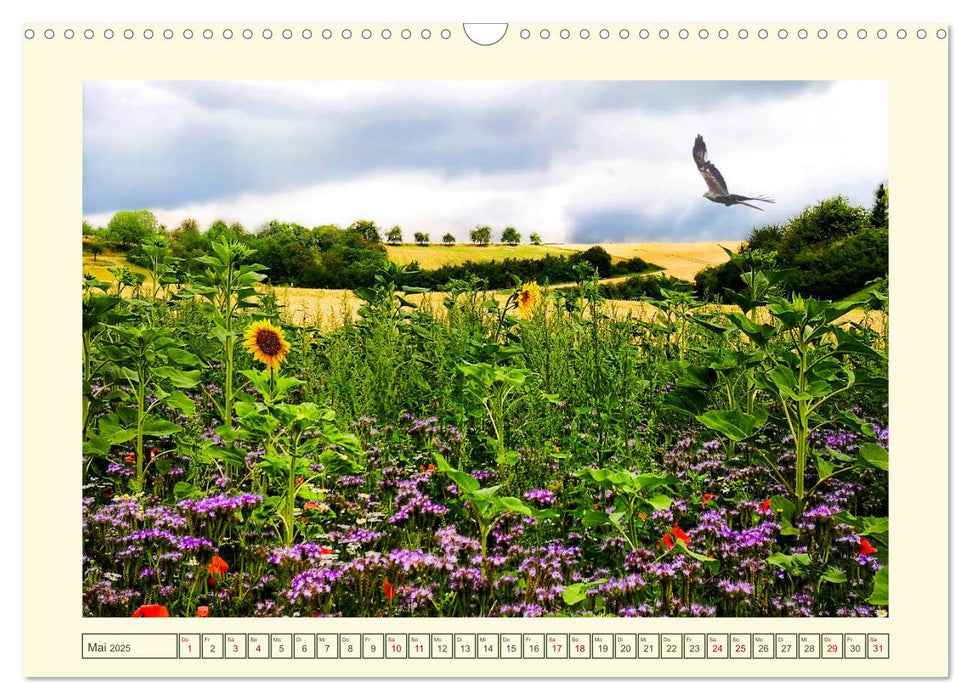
x,y
531,453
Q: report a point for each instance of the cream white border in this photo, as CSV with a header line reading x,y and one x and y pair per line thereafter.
x,y
916,70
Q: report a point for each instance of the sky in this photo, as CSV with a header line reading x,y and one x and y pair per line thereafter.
x,y
575,161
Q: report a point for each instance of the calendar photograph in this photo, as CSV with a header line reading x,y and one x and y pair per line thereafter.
x,y
468,349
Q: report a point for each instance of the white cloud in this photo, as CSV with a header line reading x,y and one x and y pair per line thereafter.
x,y
797,148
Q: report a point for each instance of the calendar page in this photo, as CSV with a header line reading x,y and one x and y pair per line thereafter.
x,y
528,349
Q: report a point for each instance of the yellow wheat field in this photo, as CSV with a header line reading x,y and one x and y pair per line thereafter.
x,y
330,308
682,260
432,257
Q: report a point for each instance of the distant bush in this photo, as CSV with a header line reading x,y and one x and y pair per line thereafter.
x,y
831,249
599,258
633,266
844,267
640,287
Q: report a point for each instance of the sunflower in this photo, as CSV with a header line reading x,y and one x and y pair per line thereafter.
x,y
267,344
526,298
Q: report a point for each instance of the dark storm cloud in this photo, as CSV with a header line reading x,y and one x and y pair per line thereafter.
x,y
628,226
243,138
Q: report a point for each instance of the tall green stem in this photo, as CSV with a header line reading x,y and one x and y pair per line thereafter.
x,y
85,401
291,496
139,433
230,344
802,435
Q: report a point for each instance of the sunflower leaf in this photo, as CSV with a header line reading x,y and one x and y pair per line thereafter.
x,y
179,400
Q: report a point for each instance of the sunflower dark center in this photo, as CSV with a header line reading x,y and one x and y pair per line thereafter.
x,y
268,342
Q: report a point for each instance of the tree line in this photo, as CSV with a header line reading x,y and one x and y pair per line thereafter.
x,y
331,257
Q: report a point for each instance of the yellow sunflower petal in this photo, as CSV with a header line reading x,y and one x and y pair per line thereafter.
x,y
527,297
266,343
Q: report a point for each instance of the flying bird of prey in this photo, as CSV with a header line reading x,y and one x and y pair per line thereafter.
x,y
717,189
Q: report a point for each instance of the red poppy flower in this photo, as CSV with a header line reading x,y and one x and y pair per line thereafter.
x,y
675,533
298,480
211,581
642,516
866,547
311,505
218,566
153,452
707,497
130,457
202,611
151,611
428,467
388,590
326,550
680,534
765,506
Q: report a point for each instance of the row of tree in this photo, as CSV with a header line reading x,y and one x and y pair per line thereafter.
x,y
480,235
330,257
131,228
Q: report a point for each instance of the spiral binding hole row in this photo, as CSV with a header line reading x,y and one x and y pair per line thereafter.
x,y
563,34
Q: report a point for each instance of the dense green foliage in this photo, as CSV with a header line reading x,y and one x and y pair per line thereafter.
x,y
323,257
130,228
517,455
830,250
367,230
550,269
635,287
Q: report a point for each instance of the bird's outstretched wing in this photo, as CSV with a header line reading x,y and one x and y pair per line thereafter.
x,y
700,153
713,178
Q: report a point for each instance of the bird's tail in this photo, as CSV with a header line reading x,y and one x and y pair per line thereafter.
x,y
762,198
752,205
